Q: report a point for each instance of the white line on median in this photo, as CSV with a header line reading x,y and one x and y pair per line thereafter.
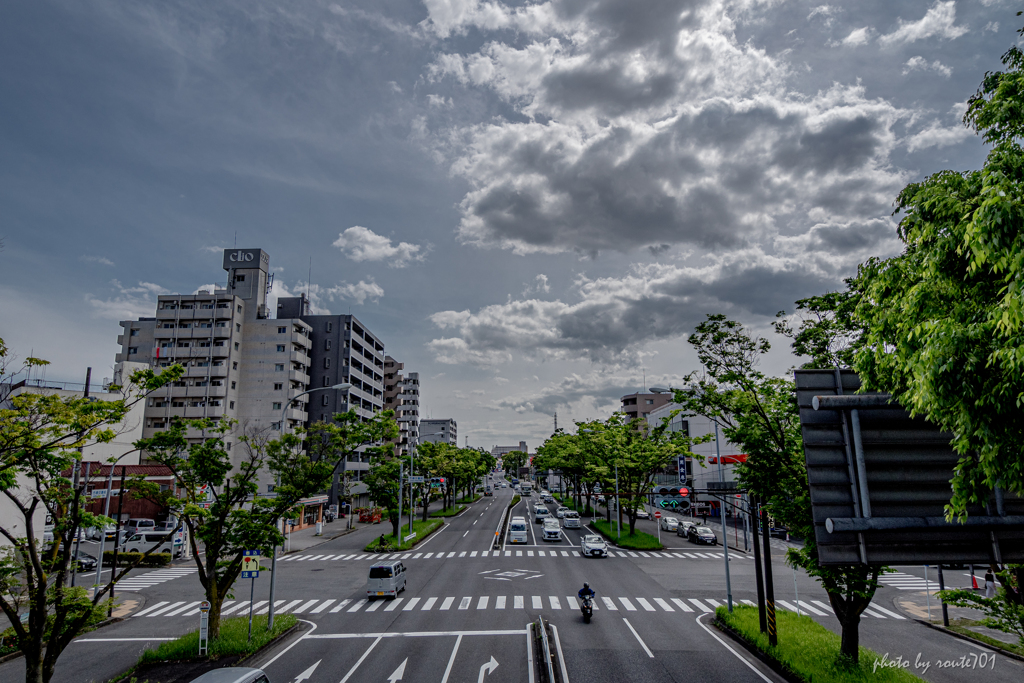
x,y
635,635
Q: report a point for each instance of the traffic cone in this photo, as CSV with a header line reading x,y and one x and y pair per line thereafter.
x,y
974,582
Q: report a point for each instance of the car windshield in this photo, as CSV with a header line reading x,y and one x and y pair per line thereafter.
x,y
572,515
380,572
704,530
592,539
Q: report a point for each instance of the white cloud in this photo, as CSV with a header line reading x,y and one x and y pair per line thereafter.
x,y
938,135
96,259
359,292
538,286
937,21
212,249
827,12
129,302
921,64
992,26
319,295
363,244
859,36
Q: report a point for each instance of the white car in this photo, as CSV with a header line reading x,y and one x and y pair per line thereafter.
x,y
593,546
552,531
572,520
560,512
668,523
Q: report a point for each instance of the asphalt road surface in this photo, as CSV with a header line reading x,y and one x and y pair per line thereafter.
x,y
465,613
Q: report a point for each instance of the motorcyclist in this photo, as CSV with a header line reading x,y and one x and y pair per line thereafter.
x,y
586,592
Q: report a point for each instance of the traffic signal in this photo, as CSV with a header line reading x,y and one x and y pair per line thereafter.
x,y
672,497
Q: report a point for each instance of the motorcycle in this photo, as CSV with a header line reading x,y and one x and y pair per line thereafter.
x,y
587,608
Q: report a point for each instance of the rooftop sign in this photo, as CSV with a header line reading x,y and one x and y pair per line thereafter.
x,y
246,258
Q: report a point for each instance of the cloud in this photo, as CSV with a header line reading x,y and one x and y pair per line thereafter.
x,y
212,249
859,36
921,64
636,128
363,244
938,135
591,392
937,21
129,303
319,295
96,259
827,12
359,292
538,286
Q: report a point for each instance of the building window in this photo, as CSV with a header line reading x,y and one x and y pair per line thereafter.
x,y
234,365
134,333
276,426
278,386
327,344
231,405
330,326
236,346
326,399
214,403
646,414
239,308
233,384
327,381
238,327
240,278
227,446
132,350
327,363
270,488
218,343
279,367
649,401
280,348
282,330
276,406
222,324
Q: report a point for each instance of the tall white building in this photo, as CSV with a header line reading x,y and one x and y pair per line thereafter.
x,y
443,430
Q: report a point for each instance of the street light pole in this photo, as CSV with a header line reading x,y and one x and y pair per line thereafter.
x,y
721,509
344,386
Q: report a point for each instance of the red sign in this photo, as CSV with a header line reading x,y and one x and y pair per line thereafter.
x,y
657,514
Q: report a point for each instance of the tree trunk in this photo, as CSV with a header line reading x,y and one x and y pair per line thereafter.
x,y
608,508
850,646
216,598
396,521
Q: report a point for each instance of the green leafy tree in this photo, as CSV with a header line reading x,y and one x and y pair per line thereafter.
x,y
439,460
513,460
759,413
40,438
1004,612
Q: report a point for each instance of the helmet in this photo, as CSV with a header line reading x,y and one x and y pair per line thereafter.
x,y
586,585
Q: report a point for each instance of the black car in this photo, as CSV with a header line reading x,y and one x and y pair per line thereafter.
x,y
86,562
684,528
702,534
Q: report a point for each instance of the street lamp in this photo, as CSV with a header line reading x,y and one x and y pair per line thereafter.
x,y
344,386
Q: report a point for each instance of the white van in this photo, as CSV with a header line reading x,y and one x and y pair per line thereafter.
x,y
386,579
540,513
552,531
517,530
142,542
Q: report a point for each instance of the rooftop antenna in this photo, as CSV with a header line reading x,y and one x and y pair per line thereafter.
x,y
309,277
556,420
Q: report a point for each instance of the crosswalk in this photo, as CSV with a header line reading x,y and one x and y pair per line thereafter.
x,y
908,582
469,554
486,602
139,581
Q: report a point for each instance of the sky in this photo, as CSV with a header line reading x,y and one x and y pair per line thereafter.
x,y
532,203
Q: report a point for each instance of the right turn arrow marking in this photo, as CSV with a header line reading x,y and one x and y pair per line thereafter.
x,y
487,668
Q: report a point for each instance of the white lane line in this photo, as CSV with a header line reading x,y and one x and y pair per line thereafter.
x,y
410,605
447,604
635,635
360,660
465,534
682,605
499,602
393,604
428,604
736,654
322,606
340,606
451,660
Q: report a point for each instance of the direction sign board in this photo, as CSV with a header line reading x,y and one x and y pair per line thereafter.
x,y
251,564
416,479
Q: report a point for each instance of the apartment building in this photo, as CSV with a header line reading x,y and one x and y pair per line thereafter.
x,y
239,363
402,395
639,405
443,430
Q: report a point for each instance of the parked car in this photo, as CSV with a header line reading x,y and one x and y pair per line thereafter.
x,y
233,674
140,524
517,530
560,512
571,520
684,528
540,513
86,562
386,579
643,514
668,523
702,535
552,530
94,533
593,545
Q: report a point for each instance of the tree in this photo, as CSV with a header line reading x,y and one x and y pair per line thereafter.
x,y
219,499
40,437
945,318
759,413
513,460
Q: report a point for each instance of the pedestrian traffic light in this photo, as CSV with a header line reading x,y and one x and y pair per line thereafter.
x,y
672,497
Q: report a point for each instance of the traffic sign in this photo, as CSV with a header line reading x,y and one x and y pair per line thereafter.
x,y
251,564
657,514
416,479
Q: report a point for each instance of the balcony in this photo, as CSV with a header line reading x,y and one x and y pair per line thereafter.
x,y
300,357
298,376
297,415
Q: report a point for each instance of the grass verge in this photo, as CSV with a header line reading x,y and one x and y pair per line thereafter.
x,y
984,638
810,651
234,640
638,540
419,527
448,512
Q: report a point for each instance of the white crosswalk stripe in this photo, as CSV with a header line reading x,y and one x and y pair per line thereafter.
x,y
480,554
908,582
457,604
139,581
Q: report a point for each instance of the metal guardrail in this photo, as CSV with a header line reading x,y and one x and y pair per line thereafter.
x,y
550,663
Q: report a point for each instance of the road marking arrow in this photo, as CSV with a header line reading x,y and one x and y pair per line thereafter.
x,y
399,672
487,668
304,676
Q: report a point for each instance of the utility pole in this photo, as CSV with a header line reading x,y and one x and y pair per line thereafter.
x,y
721,508
773,636
117,538
755,525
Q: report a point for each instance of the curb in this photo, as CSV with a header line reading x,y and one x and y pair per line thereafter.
x,y
326,539
961,636
762,657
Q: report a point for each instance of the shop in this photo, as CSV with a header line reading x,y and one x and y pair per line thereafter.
x,y
308,512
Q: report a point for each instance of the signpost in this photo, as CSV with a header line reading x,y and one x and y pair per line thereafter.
x,y
657,516
204,627
251,570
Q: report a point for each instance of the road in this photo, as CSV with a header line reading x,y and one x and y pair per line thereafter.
x,y
467,606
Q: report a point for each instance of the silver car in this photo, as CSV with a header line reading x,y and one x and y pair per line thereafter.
x,y
593,545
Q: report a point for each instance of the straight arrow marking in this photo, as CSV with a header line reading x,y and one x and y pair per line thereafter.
x,y
308,672
399,672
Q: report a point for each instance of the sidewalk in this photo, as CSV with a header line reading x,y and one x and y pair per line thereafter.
x,y
917,605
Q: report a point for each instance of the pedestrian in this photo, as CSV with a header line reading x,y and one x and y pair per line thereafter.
x,y
704,518
990,584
